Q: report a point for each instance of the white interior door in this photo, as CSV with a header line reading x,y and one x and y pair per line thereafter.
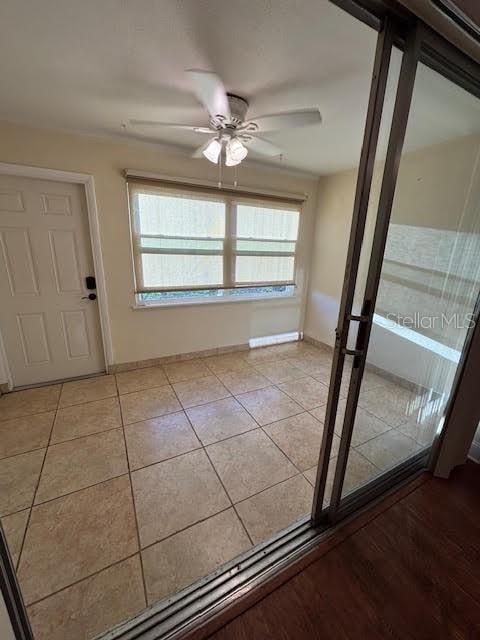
x,y
50,329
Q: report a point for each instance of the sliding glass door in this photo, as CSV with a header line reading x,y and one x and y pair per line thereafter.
x,y
411,287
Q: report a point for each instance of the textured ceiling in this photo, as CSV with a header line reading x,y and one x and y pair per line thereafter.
x,y
92,65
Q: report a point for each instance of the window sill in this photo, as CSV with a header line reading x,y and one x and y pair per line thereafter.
x,y
189,302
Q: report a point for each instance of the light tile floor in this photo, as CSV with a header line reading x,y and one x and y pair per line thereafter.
x,y
118,490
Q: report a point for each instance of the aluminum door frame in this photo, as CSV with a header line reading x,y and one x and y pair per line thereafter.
x,y
421,44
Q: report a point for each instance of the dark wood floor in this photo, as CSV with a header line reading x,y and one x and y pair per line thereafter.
x,y
413,572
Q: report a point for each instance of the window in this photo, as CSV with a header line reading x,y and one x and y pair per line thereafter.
x,y
202,244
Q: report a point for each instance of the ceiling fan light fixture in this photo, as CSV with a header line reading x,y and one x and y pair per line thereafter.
x,y
235,152
212,150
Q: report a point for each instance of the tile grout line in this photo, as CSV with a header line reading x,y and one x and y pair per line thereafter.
x,y
274,385
263,430
189,526
214,468
104,481
118,427
24,415
22,453
133,496
299,380
202,404
131,424
280,448
229,497
75,582
179,455
86,435
22,546
300,472
212,465
71,493
132,555
267,424
275,484
251,430
267,434
153,543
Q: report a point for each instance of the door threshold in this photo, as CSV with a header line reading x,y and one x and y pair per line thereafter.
x,y
37,385
202,608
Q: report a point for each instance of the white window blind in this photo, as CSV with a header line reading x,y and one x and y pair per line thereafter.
x,y
264,244
187,240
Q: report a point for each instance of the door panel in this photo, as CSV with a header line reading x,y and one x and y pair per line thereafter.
x,y
50,332
416,297
75,327
430,276
31,328
359,469
19,264
11,200
383,90
65,261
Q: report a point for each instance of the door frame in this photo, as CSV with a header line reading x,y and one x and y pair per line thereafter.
x,y
398,126
88,183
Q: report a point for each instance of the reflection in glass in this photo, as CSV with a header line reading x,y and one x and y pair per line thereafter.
x,y
429,282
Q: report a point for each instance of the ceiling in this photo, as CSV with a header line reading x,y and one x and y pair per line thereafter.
x,y
92,65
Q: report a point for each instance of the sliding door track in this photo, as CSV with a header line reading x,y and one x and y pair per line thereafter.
x,y
174,616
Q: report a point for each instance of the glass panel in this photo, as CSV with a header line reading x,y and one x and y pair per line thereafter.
x,y
262,222
171,215
335,208
264,269
201,294
252,246
181,244
429,282
172,270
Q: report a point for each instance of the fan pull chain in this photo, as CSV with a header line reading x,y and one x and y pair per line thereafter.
x,y
235,176
220,169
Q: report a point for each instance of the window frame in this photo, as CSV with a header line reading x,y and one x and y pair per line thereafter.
x,y
231,200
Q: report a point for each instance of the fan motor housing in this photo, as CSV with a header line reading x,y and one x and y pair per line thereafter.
x,y
238,108
238,111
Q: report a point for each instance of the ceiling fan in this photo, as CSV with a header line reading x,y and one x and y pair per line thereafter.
x,y
232,133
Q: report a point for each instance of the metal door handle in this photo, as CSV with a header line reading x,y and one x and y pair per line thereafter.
x,y
364,319
91,296
352,352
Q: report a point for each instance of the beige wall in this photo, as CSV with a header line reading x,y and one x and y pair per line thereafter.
x,y
330,243
438,188
434,184
435,230
142,334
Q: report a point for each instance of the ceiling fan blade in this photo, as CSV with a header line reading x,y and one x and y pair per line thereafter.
x,y
170,125
288,120
259,145
210,91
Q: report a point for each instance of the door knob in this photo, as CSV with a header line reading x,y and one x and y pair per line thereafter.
x,y
91,296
